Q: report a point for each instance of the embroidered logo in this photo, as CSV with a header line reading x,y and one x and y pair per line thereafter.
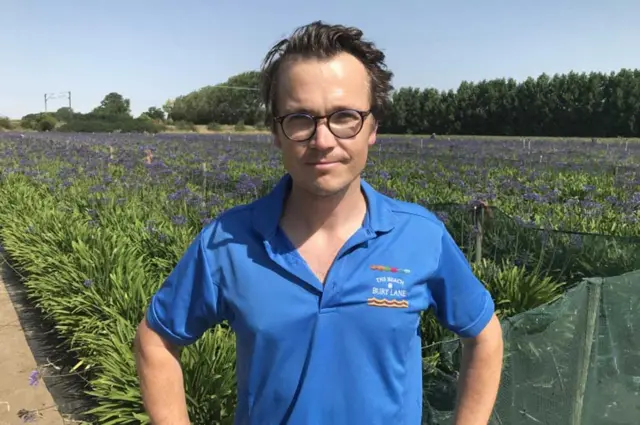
x,y
389,291
390,269
383,302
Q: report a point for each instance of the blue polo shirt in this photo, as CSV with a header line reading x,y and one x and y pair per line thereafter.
x,y
344,353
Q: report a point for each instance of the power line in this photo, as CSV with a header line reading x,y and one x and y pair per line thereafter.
x,y
61,95
236,88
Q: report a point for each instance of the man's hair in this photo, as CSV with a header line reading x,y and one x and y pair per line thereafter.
x,y
320,40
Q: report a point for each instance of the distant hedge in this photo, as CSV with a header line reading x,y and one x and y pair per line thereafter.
x,y
43,121
84,124
5,123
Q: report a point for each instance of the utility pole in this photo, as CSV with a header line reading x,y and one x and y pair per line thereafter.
x,y
62,95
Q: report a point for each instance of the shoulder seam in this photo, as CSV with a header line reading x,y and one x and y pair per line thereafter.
x,y
417,214
426,214
203,252
236,209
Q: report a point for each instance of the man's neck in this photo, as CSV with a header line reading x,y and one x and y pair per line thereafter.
x,y
311,214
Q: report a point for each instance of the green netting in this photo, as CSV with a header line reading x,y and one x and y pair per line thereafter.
x,y
574,361
488,233
571,361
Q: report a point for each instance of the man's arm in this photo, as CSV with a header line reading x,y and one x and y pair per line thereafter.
x,y
187,304
161,380
480,372
464,306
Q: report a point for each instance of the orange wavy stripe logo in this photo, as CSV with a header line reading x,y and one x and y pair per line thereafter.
x,y
383,302
389,269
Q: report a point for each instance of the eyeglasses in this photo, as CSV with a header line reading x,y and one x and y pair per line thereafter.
x,y
301,127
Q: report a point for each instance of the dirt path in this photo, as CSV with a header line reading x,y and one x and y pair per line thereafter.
x,y
16,365
24,348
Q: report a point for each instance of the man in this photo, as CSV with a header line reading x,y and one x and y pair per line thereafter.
x,y
323,280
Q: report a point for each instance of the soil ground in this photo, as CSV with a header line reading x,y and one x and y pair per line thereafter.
x,y
27,343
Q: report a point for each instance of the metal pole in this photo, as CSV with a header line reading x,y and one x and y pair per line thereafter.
x,y
479,236
594,289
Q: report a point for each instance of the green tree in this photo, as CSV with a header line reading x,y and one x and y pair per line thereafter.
x,y
237,99
46,123
168,107
155,113
5,123
42,121
113,105
64,114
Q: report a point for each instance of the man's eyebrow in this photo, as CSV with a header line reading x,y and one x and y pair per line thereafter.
x,y
286,111
293,107
303,110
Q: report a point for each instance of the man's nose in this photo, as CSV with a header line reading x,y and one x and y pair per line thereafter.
x,y
323,139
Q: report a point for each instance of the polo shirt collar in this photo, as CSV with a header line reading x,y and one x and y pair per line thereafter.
x,y
268,209
380,218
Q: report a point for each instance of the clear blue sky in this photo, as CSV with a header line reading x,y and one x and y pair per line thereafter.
x,y
150,51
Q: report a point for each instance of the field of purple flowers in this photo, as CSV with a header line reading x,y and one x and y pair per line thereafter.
x,y
578,186
97,221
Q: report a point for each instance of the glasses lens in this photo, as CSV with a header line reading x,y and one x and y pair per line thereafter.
x,y
298,126
345,124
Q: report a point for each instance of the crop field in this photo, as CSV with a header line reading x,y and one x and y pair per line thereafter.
x,y
95,222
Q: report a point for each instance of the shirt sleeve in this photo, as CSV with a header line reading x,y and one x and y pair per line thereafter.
x,y
461,302
189,301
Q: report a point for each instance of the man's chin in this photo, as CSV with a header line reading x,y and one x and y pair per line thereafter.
x,y
327,185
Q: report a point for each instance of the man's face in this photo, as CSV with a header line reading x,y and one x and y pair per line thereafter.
x,y
320,87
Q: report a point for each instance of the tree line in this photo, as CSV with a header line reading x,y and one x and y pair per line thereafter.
x,y
113,114
563,105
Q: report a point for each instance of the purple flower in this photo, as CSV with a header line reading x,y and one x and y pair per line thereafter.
x,y
34,378
532,197
195,200
246,185
214,201
88,283
99,188
544,237
588,203
576,240
179,194
27,415
612,200
442,216
178,220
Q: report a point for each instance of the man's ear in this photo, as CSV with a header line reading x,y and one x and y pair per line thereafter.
x,y
374,133
276,140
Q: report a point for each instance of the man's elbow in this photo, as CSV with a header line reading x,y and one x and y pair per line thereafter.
x,y
489,339
146,339
141,334
138,340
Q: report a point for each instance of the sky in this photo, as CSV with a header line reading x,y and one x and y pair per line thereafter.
x,y
151,51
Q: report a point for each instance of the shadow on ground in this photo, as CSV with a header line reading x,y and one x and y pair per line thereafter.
x,y
49,350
